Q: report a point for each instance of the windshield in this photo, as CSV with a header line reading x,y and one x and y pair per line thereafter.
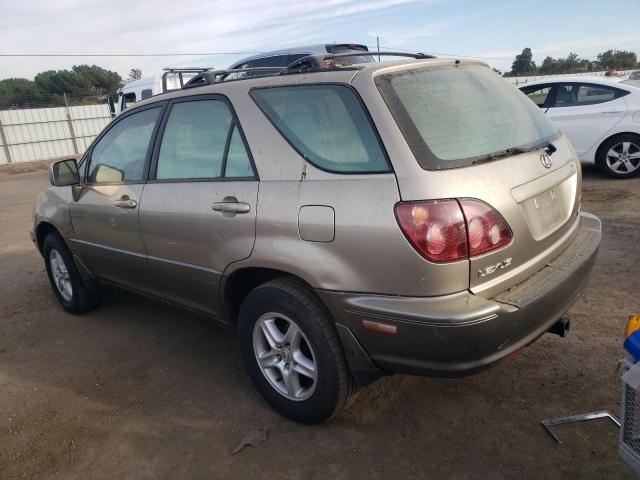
x,y
453,116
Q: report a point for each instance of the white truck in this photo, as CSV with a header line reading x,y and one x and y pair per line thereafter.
x,y
171,79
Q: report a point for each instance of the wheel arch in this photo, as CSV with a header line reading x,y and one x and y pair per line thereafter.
x,y
237,284
610,137
42,230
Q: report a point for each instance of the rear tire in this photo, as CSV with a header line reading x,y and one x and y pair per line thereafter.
x,y
67,284
302,373
619,156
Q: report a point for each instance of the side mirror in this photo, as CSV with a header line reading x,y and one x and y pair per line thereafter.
x,y
63,173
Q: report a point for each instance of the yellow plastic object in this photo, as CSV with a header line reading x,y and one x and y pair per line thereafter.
x,y
633,324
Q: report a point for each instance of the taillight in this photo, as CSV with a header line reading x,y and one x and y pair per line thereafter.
x,y
436,229
441,232
486,227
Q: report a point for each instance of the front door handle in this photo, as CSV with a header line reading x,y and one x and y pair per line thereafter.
x,y
231,205
125,202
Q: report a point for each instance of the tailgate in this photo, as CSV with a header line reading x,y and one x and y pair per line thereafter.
x,y
540,205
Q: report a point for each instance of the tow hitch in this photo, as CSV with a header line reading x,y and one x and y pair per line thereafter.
x,y
561,327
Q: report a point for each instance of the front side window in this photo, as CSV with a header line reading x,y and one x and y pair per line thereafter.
x,y
537,93
128,99
452,116
119,156
567,95
326,124
199,140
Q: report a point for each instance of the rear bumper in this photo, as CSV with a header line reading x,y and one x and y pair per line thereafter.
x,y
458,334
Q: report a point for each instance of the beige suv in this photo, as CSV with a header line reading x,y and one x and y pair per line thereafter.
x,y
417,216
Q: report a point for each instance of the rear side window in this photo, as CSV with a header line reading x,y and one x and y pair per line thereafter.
x,y
326,124
580,94
275,61
452,116
199,140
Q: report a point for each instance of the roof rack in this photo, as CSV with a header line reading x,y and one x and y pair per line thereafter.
x,y
310,63
180,71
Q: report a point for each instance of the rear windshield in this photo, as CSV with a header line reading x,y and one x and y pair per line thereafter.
x,y
454,116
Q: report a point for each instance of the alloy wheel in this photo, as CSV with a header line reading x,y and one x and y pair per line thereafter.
x,y
60,275
285,356
623,157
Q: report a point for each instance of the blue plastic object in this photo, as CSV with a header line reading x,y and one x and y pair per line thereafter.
x,y
632,345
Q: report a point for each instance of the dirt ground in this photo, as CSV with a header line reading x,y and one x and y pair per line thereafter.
x,y
140,390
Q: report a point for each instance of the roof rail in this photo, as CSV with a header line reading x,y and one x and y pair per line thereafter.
x,y
209,77
315,63
310,63
371,53
187,69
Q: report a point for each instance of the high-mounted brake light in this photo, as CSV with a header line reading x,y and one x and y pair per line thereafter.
x,y
448,230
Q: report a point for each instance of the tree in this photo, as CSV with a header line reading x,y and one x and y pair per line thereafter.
x,y
572,64
82,84
80,80
22,93
100,80
618,59
135,74
548,66
523,64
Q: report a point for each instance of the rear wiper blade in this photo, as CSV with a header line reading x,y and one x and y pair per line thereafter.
x,y
548,146
499,154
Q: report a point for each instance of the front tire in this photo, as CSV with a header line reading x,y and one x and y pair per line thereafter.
x,y
619,156
292,352
67,284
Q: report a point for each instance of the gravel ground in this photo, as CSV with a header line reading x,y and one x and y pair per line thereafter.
x,y
141,390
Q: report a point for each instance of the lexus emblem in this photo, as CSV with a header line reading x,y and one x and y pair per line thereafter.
x,y
546,160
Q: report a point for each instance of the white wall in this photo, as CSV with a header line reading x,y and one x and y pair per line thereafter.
x,y
45,133
622,75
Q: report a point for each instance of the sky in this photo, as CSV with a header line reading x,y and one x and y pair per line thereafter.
x,y
493,30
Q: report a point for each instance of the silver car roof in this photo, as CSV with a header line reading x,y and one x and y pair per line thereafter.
x,y
316,49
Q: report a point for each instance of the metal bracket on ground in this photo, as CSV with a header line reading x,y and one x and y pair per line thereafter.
x,y
583,417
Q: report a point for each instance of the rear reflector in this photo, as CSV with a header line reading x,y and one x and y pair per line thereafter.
x,y
380,327
448,230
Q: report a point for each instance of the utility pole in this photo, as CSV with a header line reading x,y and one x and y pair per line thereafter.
x,y
3,139
378,43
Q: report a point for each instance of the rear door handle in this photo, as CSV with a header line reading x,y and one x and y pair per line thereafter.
x,y
231,207
125,202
